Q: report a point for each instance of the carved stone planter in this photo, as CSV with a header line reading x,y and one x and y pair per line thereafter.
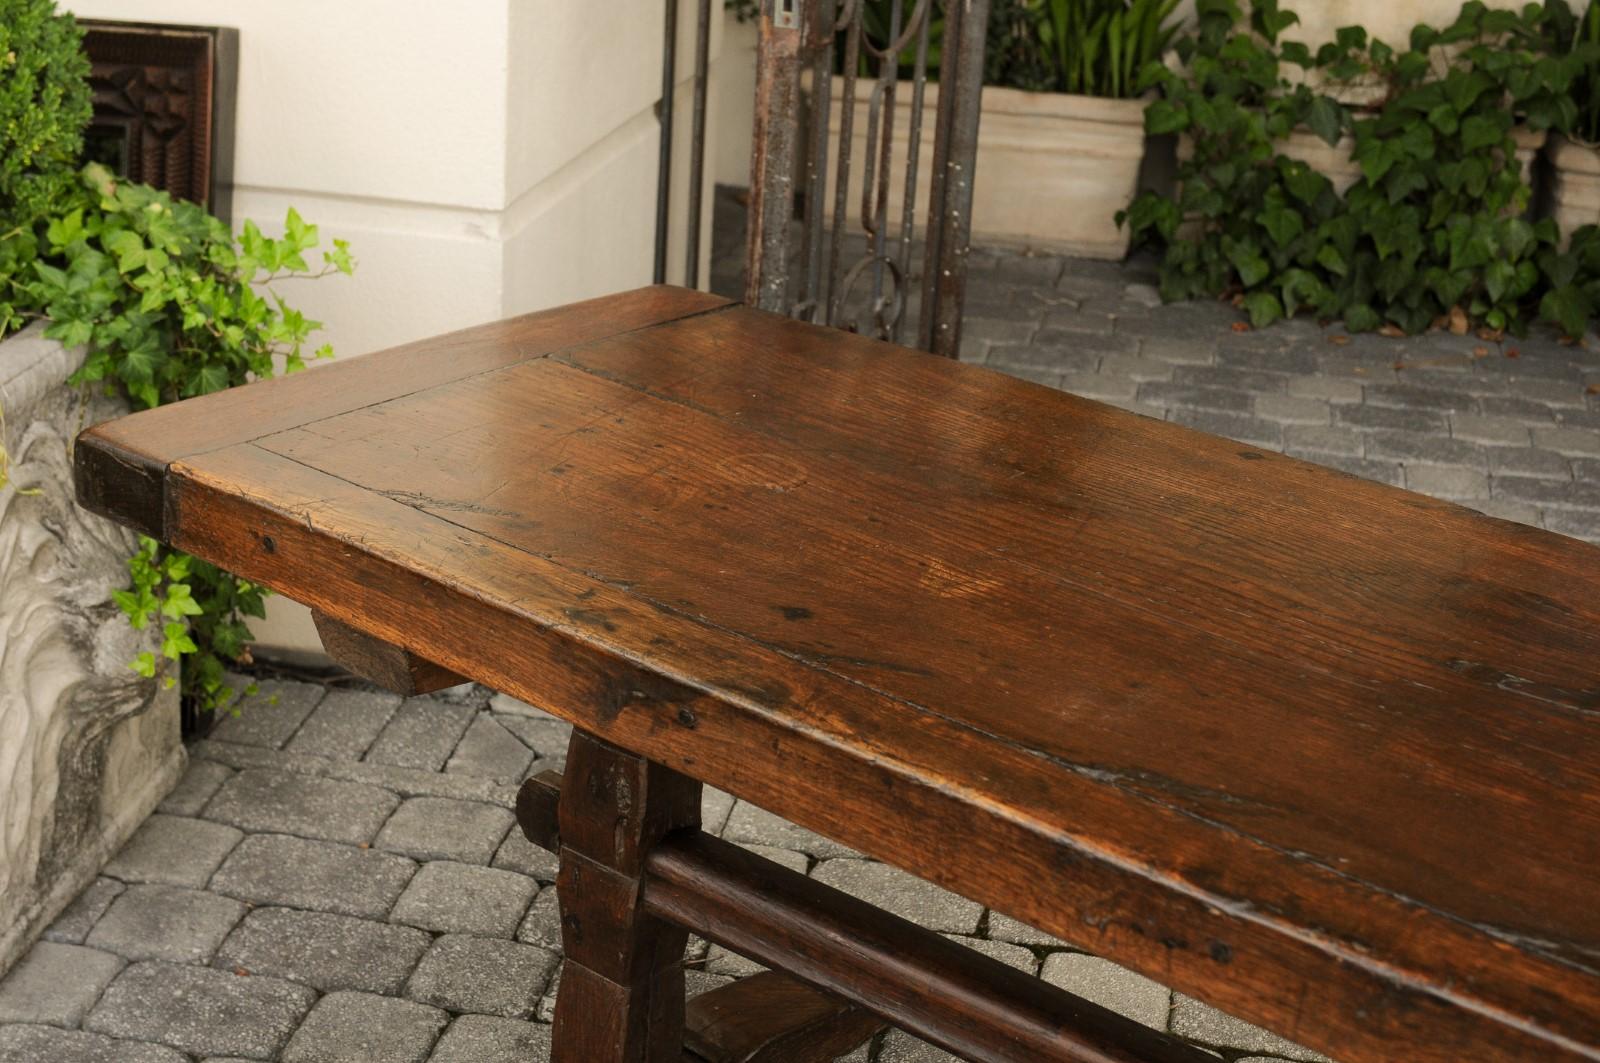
x,y
1053,169
87,748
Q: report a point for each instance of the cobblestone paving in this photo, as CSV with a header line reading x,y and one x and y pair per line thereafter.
x,y
338,879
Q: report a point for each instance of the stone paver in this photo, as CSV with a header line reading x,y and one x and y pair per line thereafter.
x,y
56,984
46,1044
450,898
1110,986
270,716
1206,1025
79,917
166,923
360,1027
902,894
303,805
482,975
488,1039
174,851
276,869
345,724
749,825
437,828
201,1010
325,951
422,733
490,750
199,784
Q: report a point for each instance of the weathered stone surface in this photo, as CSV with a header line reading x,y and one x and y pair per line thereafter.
x,y
276,869
488,1039
545,735
260,799
1199,1022
542,925
489,750
451,898
361,1028
271,715
751,825
518,854
1110,986
482,975
1244,429
325,951
1445,481
198,785
901,893
436,828
87,747
201,1010
422,733
345,724
56,984
79,917
406,782
166,923
174,851
1005,928
46,1044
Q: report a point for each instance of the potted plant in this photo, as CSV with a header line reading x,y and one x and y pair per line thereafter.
x,y
1061,137
1575,155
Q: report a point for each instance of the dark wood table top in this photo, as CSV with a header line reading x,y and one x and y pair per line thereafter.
x,y
1323,753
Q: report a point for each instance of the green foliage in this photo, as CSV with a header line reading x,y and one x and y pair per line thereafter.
x,y
1088,47
170,304
1435,221
1579,38
1100,47
44,107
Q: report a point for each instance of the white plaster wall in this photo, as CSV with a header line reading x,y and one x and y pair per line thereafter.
x,y
483,159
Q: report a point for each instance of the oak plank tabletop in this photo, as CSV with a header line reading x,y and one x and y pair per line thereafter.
x,y
1323,753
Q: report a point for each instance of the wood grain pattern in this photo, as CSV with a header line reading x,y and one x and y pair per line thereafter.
x,y
772,1018
1241,723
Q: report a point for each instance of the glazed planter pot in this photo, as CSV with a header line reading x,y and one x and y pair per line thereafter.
x,y
1574,183
87,747
1052,169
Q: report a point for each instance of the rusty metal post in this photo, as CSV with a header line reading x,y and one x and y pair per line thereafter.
x,y
955,159
772,161
697,144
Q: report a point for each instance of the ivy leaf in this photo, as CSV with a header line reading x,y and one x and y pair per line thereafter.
x,y
1163,117
144,664
1361,318
1282,224
1326,119
1568,307
1329,258
1263,308
209,378
1479,131
1498,279
1246,258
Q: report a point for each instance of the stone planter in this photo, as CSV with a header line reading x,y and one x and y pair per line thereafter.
x,y
1574,184
1052,169
87,748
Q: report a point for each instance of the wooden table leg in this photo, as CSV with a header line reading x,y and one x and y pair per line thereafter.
x,y
622,996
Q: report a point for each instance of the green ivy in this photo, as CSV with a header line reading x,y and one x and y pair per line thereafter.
x,y
170,304
1579,37
1433,228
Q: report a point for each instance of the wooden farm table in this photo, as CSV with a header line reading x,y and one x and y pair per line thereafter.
x,y
1322,753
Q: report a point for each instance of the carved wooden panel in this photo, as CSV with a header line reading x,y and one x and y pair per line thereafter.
x,y
163,106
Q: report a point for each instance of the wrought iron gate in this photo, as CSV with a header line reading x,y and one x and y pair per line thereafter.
x,y
810,50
